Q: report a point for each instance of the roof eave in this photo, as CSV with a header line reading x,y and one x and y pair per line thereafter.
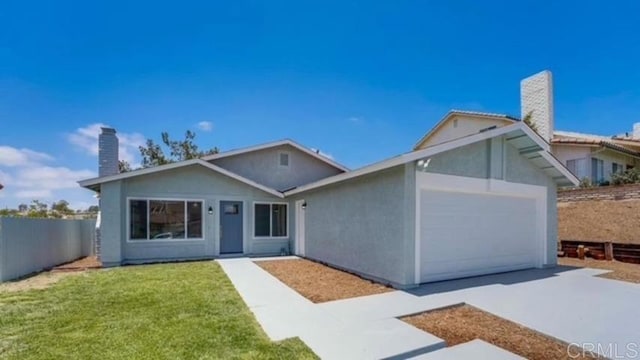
x,y
290,142
452,113
95,183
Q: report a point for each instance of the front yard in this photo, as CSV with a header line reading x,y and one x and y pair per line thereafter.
x,y
165,311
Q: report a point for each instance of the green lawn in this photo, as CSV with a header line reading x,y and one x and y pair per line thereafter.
x,y
164,311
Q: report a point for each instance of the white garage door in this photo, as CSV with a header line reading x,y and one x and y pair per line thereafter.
x,y
468,234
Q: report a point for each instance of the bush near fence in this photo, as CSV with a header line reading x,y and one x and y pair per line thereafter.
x,y
32,245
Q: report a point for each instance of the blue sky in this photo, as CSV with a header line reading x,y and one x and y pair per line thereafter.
x,y
361,81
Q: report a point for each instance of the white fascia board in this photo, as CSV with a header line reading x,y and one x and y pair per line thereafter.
x,y
152,170
133,173
274,144
419,154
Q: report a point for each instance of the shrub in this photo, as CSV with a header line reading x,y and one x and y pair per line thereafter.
x,y
630,176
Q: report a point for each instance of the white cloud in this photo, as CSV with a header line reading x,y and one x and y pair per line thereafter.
x,y
34,194
355,119
50,178
26,174
11,157
205,126
86,138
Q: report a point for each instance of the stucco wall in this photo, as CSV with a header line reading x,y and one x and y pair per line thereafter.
x,y
520,170
263,167
471,160
361,225
189,183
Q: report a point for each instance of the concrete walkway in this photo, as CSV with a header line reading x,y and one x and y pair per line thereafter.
x,y
566,303
283,313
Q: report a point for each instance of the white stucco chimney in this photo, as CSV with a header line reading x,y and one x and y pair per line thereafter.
x,y
636,131
108,152
536,97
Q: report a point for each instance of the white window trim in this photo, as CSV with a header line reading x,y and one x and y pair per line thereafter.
x,y
253,223
280,153
147,240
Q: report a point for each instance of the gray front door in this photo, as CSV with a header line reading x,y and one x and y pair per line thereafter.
x,y
230,227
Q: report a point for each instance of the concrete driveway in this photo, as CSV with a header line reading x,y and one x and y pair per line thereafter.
x,y
566,303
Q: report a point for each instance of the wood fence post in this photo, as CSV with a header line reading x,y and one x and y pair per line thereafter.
x,y
608,250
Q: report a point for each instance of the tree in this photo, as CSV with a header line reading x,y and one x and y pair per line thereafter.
x,y
179,150
9,213
528,119
61,208
37,210
124,166
93,209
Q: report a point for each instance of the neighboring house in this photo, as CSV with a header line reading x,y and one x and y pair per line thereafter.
x,y
588,156
480,204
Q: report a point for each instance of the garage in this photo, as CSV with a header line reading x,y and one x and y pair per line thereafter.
x,y
470,227
478,205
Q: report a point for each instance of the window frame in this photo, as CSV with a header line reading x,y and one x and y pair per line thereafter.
x,y
253,218
619,168
280,153
186,223
597,171
575,166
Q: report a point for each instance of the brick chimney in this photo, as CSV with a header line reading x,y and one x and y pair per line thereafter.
x,y
108,152
536,97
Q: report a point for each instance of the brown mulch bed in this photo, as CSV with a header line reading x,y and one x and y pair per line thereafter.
x,y
320,283
607,220
86,263
463,323
620,270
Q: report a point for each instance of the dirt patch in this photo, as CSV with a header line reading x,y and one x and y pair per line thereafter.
x,y
39,281
463,323
89,262
620,270
320,283
614,221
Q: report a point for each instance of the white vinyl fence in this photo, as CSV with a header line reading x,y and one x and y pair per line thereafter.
x,y
31,245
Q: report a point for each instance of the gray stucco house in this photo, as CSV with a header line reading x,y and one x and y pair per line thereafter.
x,y
479,204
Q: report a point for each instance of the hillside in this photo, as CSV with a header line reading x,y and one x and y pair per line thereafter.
x,y
615,221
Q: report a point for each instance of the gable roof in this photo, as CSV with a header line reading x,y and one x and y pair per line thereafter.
x,y
275,144
530,144
454,112
597,142
94,182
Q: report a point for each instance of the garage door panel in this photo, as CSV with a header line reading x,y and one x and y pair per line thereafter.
x,y
464,234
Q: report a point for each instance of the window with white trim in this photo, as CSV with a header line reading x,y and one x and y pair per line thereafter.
x,y
283,159
578,167
617,168
270,220
158,219
597,171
